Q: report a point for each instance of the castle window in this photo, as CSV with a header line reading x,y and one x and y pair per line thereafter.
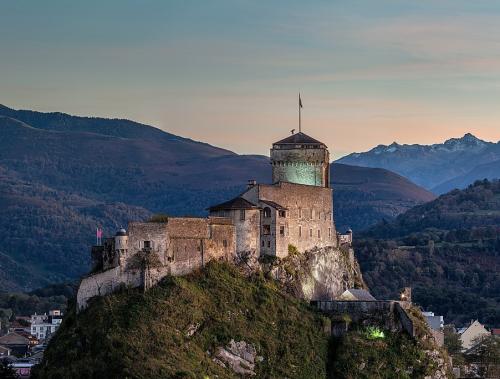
x,y
282,231
266,230
300,231
319,233
269,244
310,232
267,212
329,232
300,212
282,214
147,244
224,243
262,243
242,214
319,216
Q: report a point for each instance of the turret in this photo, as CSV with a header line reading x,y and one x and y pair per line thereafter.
x,y
121,240
301,159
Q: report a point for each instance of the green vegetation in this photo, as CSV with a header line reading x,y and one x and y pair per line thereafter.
x,y
358,355
131,334
448,250
159,217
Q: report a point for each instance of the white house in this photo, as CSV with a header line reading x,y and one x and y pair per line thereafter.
x,y
44,325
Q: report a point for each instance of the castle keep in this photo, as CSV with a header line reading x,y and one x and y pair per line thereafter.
x,y
296,209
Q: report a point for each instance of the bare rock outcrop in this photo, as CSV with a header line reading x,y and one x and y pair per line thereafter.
x,y
317,274
239,356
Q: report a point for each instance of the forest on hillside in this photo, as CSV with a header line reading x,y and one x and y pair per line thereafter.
x,y
447,250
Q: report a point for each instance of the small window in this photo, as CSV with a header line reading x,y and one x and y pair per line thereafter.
x,y
282,214
242,214
262,243
319,233
329,232
300,212
266,230
224,243
267,212
268,243
148,244
319,216
310,232
282,231
300,231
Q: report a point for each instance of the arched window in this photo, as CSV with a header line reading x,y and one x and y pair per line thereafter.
x,y
267,212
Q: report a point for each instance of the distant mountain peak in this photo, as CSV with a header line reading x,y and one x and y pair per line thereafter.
x,y
467,141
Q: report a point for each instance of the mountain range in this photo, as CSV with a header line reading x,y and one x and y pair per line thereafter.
x,y
456,163
62,175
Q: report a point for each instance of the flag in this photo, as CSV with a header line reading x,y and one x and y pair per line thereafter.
x,y
99,233
300,102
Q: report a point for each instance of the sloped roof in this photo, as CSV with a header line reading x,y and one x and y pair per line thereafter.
x,y
4,350
274,205
236,203
298,138
13,339
358,294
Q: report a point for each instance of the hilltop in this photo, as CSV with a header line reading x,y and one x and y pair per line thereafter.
x,y
447,250
62,176
180,329
441,167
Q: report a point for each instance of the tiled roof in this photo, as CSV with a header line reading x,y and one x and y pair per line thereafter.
x,y
236,203
13,339
298,138
274,205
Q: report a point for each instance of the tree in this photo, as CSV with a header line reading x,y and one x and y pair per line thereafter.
x,y
452,340
7,372
486,353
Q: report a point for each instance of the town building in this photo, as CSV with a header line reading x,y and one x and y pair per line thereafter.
x,y
471,334
436,326
16,343
43,326
4,351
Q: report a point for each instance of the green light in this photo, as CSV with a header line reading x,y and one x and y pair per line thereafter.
x,y
374,333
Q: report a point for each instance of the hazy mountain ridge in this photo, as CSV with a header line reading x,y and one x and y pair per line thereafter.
x,y
59,182
437,167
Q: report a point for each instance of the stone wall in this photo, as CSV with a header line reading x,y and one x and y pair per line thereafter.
x,y
309,211
176,247
301,166
388,314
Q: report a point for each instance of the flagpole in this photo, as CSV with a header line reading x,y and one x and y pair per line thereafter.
x,y
300,120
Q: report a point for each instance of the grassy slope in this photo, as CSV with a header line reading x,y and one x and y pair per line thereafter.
x,y
144,336
136,335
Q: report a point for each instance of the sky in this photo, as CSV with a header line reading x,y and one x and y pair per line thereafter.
x,y
229,72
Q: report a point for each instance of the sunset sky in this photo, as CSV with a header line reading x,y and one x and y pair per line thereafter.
x,y
228,72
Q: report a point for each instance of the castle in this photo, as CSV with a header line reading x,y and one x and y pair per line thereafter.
x,y
296,209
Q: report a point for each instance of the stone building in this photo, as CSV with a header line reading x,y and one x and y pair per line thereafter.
x,y
295,210
148,251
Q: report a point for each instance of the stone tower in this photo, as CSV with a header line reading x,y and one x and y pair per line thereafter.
x,y
301,159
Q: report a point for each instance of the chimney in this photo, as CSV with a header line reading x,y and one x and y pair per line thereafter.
x,y
251,183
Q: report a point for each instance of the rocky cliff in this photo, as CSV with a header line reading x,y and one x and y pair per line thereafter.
x,y
318,274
